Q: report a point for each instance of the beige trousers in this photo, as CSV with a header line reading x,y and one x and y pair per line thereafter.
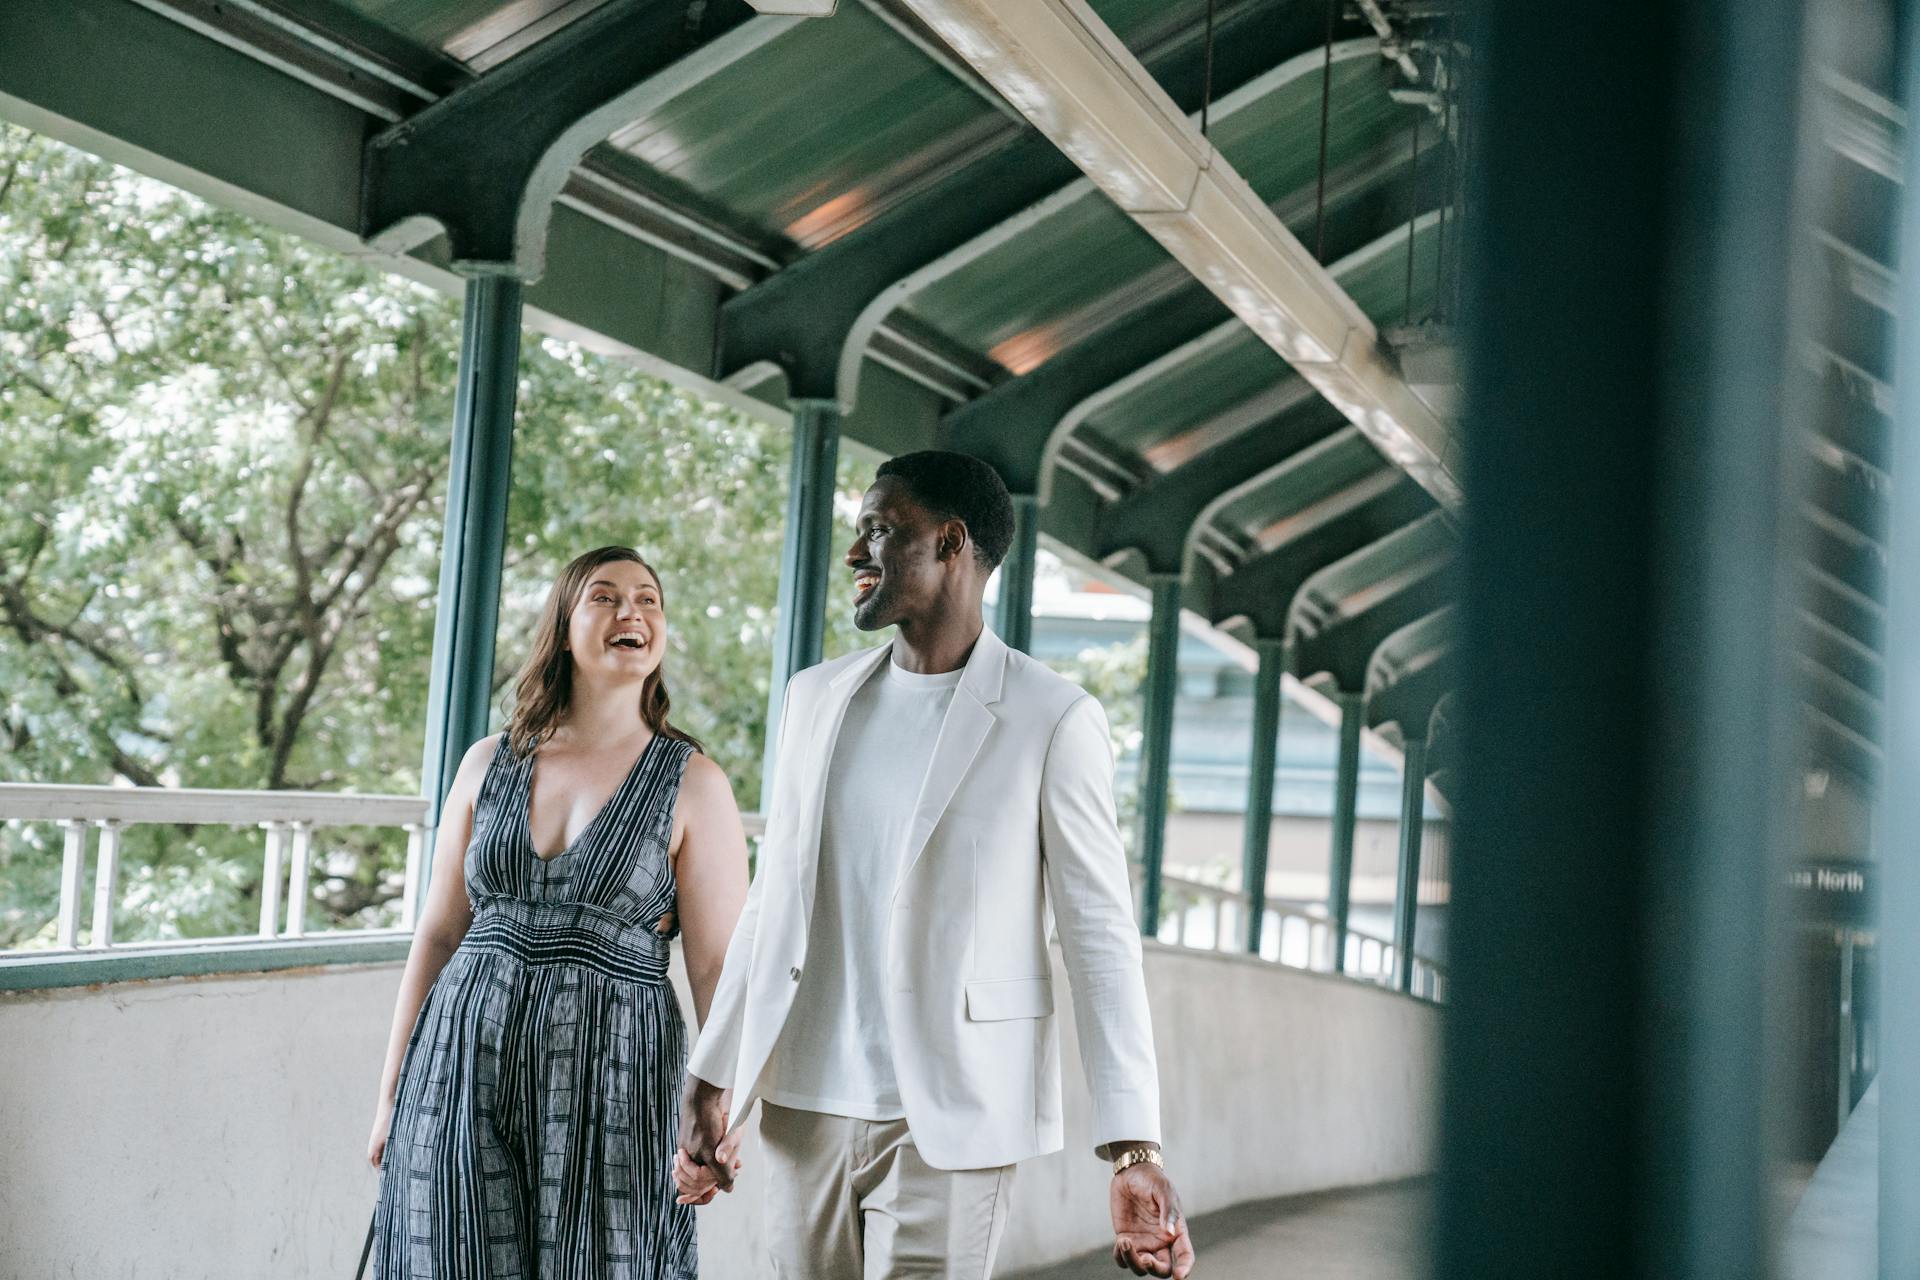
x,y
852,1200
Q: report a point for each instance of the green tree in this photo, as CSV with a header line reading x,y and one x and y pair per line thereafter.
x,y
223,453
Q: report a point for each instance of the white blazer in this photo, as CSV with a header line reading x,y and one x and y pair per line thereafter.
x,y
1016,815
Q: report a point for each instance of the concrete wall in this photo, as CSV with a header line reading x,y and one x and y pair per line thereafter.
x,y
213,1128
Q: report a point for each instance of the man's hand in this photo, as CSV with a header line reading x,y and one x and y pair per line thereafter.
x,y
705,1162
1149,1231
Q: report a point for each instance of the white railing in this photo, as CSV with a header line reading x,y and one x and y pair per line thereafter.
x,y
289,820
1212,917
1205,916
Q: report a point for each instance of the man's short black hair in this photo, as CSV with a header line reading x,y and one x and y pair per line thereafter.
x,y
955,486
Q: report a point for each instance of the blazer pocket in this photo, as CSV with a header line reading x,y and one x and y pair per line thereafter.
x,y
996,999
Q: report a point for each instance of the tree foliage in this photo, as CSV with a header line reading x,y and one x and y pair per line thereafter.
x,y
224,454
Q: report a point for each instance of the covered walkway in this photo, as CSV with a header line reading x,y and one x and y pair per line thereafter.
x,y
1199,278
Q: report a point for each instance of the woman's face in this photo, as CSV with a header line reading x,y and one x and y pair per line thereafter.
x,y
617,632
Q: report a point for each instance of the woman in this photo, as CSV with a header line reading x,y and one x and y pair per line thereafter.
x,y
528,1111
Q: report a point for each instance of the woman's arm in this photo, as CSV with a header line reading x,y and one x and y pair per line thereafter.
x,y
710,870
444,918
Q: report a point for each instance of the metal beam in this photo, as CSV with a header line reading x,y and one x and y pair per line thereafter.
x,y
1387,585
1024,425
1008,426
460,680
1014,615
1156,744
1069,74
1267,700
816,318
1346,806
1157,520
1260,593
1608,1066
486,163
806,558
1406,887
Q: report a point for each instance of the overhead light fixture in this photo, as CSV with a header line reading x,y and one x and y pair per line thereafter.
x,y
795,8
1061,66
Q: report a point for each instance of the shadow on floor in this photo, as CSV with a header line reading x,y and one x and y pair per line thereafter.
x,y
1375,1233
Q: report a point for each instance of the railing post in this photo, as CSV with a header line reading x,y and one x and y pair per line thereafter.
x,y
479,478
414,876
270,878
73,866
1156,747
1013,617
1259,829
1346,801
297,879
805,561
1406,887
106,884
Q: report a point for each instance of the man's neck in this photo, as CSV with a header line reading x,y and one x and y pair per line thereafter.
x,y
931,645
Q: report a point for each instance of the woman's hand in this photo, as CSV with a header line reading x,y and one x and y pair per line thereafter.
x,y
377,1142
698,1186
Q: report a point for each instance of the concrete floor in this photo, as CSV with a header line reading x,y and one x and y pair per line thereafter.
x,y
1378,1233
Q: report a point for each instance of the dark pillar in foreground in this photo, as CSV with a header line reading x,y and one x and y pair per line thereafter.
x,y
1899,834
1346,811
1266,744
1013,618
806,561
1406,886
1626,703
478,480
1156,746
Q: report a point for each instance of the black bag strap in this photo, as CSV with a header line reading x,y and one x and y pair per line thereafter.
x,y
366,1250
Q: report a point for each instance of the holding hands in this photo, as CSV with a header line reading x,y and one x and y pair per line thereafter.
x,y
708,1157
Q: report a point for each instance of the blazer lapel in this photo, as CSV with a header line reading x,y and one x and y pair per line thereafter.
x,y
968,721
813,784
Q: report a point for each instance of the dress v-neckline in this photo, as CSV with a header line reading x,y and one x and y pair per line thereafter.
x,y
526,809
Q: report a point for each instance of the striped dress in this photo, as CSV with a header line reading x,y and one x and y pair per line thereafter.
x,y
538,1107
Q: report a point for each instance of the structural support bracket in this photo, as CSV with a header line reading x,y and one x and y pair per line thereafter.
x,y
486,163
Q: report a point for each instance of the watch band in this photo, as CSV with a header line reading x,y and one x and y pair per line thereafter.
x,y
1137,1155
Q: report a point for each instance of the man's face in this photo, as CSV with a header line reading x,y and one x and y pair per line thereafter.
x,y
895,557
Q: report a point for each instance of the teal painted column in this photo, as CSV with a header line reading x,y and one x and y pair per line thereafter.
x,y
1013,617
1156,747
1266,742
1406,888
461,677
806,561
1346,799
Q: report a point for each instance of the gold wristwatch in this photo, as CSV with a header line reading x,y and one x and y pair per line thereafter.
x,y
1137,1155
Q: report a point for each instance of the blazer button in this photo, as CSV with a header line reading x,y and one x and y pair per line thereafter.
x,y
794,974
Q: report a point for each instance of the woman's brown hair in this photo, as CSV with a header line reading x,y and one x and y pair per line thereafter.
x,y
543,690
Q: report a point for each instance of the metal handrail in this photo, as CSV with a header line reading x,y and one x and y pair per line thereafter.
x,y
1303,939
289,819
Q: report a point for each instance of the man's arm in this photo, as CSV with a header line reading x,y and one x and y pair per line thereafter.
x,y
1086,869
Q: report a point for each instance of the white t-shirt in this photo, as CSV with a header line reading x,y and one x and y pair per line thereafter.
x,y
834,1054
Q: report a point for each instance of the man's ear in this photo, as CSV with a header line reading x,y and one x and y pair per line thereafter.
x,y
953,539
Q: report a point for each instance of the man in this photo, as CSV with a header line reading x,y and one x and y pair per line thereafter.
x,y
887,995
